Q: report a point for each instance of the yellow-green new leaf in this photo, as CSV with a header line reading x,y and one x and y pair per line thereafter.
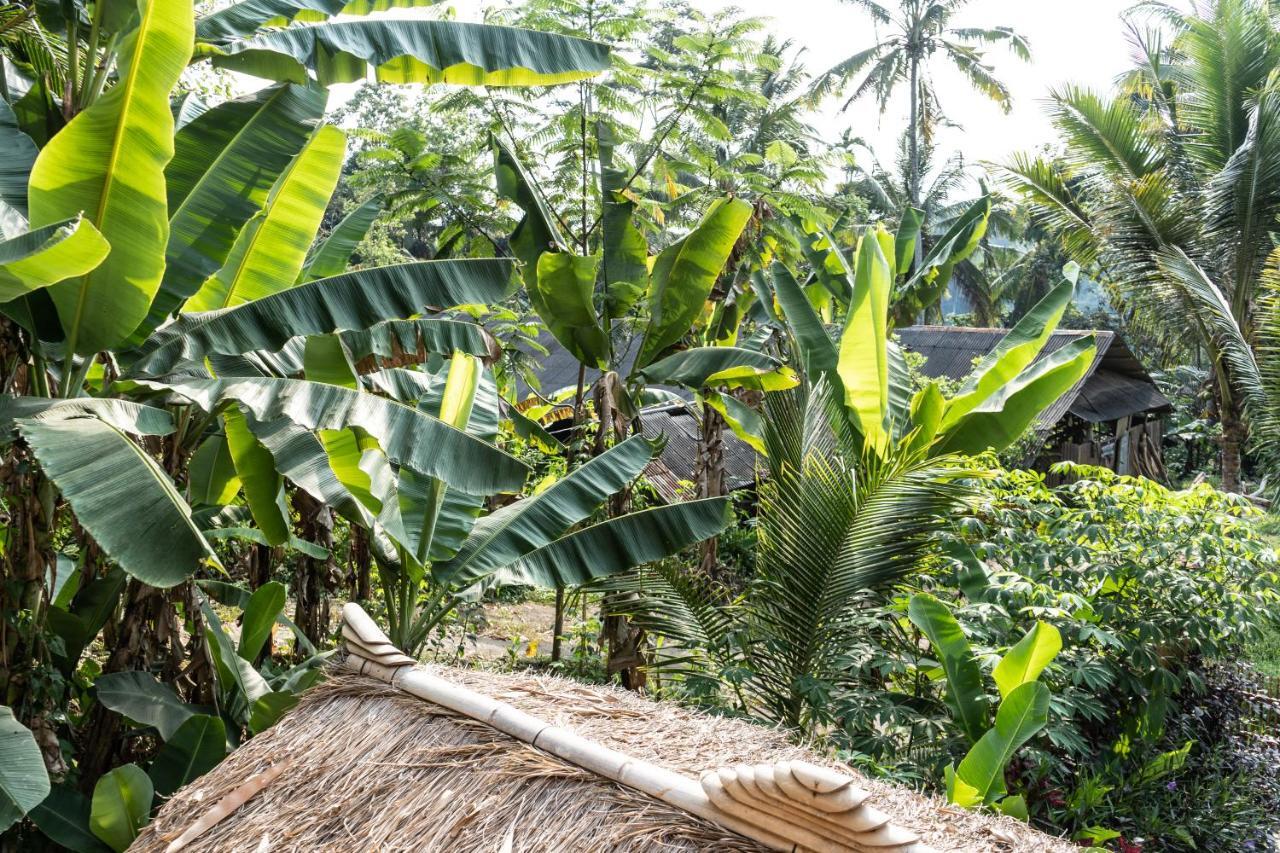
x,y
1015,351
272,247
684,274
864,361
1025,661
49,255
562,295
1003,419
109,163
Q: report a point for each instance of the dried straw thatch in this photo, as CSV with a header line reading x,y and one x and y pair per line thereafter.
x,y
373,768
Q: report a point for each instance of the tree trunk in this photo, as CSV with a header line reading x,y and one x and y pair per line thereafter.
x,y
260,562
913,141
149,639
314,579
1232,443
361,564
710,478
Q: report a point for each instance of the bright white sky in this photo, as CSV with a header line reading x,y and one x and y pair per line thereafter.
x,y
1080,41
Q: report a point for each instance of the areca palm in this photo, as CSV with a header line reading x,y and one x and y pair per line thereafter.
x,y
919,31
1173,188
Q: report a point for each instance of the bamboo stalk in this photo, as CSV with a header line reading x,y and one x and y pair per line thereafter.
x,y
794,807
227,806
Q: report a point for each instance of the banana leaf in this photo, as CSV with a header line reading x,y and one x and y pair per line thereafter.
x,y
224,165
121,497
684,274
24,782
415,51
49,255
965,695
109,162
17,155
352,301
271,248
334,252
980,777
247,16
408,437
516,529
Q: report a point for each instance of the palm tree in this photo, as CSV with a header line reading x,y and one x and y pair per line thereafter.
x,y
1173,188
917,32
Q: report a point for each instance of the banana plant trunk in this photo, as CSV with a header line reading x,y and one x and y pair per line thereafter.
x,y
149,637
710,481
313,582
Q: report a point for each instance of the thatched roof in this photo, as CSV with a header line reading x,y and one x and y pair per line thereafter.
x,y
371,767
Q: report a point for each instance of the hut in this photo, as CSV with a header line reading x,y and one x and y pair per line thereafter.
x,y
511,764
1113,417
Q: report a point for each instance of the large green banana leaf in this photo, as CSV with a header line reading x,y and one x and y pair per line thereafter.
x,y
247,16
122,801
1006,415
109,162
518,528
270,249
124,415
211,474
301,459
256,470
143,699
355,300
334,252
17,156
24,782
224,164
624,267
120,496
407,51
196,747
864,364
980,777
1015,351
48,255
1026,660
965,695
685,273
619,544
395,339
408,437
905,239
537,231
818,355
729,366
562,294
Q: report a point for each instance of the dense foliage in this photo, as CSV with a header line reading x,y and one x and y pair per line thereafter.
x,y
258,358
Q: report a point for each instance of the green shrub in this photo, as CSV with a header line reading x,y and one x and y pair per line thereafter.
x,y
1147,587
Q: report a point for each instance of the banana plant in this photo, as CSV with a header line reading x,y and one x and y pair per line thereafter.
x,y
435,545
1022,712
122,211
997,402
585,298
917,286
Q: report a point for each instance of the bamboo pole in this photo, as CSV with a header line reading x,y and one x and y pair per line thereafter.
x,y
788,806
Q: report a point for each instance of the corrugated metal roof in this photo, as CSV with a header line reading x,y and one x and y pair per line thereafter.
x,y
678,461
1117,384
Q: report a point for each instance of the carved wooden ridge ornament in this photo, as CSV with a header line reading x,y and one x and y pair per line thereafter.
x,y
788,805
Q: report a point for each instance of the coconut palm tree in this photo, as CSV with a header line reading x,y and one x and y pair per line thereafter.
x,y
1173,188
918,31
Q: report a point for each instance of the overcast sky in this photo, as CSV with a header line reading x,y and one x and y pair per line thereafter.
x,y
1080,41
